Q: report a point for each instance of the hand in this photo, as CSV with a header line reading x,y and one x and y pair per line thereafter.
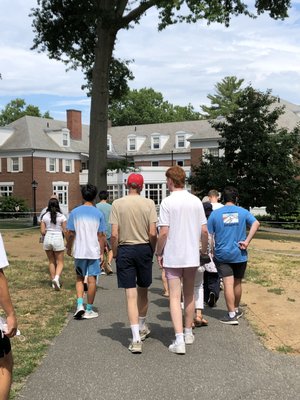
x,y
160,260
69,252
12,326
243,245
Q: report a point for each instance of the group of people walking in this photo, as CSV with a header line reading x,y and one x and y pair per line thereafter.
x,y
196,244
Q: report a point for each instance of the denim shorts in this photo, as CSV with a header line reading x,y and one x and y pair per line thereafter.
x,y
54,241
134,265
5,347
88,267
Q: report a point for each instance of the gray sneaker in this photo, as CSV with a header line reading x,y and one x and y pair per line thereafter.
x,y
239,314
145,332
189,338
136,347
229,321
90,314
177,348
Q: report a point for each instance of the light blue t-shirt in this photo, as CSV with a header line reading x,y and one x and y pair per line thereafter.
x,y
106,209
229,226
86,222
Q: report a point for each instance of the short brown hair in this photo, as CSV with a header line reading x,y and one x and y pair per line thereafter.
x,y
213,192
177,175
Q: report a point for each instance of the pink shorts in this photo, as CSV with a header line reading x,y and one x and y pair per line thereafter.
x,y
172,273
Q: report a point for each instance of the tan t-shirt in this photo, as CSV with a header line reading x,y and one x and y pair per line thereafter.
x,y
133,214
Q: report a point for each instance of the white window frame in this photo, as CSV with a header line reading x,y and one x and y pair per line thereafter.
x,y
214,151
179,140
9,189
154,191
10,164
68,166
130,140
155,142
52,164
65,138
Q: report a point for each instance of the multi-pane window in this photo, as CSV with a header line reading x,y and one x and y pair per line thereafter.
x,y
114,191
15,164
181,141
180,163
132,144
154,163
52,164
68,166
62,193
153,191
65,136
155,142
6,190
214,152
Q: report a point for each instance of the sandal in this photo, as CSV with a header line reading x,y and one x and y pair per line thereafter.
x,y
165,294
198,322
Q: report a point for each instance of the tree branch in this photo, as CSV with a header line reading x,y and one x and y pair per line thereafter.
x,y
121,7
136,13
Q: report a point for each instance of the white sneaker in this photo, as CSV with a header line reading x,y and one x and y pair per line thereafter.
x,y
55,284
79,312
177,348
90,314
189,338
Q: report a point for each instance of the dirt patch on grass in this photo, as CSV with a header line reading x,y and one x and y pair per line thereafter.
x,y
271,290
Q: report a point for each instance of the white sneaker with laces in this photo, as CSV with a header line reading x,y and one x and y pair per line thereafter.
x,y
79,312
177,348
189,338
55,284
90,314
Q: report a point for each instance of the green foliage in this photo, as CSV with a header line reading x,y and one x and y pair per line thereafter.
x,y
224,102
16,109
9,203
145,106
258,156
82,34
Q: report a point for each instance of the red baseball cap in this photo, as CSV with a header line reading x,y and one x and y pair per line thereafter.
x,y
135,180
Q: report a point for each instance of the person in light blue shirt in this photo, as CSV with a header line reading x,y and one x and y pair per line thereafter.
x,y
228,225
105,207
86,230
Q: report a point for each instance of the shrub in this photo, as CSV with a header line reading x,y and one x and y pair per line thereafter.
x,y
12,206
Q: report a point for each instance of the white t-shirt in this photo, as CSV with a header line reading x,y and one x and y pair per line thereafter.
x,y
215,206
50,227
3,257
183,213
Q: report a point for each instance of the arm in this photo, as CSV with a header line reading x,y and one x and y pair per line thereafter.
x,y
114,239
102,243
204,239
70,235
245,243
43,228
64,227
161,242
6,304
152,235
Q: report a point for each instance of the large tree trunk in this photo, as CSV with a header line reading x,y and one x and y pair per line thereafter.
x,y
99,109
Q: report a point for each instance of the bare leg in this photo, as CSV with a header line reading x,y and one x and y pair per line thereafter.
x,y
132,306
229,292
175,307
164,282
142,301
6,367
52,263
109,256
188,295
237,292
91,289
79,286
59,258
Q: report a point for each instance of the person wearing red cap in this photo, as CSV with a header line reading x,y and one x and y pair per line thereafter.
x,y
133,240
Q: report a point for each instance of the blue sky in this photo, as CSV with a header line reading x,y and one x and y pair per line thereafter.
x,y
183,62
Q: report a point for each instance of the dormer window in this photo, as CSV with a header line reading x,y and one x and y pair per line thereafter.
x,y
131,143
65,137
109,143
155,142
180,141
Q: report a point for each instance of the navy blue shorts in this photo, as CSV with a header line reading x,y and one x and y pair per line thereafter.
x,y
237,270
5,347
134,266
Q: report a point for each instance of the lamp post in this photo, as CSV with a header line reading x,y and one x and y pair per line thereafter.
x,y
34,185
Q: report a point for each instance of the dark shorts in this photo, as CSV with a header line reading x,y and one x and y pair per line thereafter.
x,y
237,270
134,266
5,347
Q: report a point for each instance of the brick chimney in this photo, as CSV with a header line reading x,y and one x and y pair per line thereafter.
x,y
74,124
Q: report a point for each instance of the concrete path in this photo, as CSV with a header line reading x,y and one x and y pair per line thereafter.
x,y
90,360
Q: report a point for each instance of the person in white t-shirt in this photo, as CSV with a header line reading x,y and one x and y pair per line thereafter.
x,y
6,358
213,198
53,227
182,224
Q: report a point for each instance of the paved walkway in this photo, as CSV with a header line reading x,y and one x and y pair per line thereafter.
x,y
90,360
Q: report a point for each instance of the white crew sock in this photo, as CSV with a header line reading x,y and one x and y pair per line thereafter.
x,y
142,323
179,338
231,314
135,333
